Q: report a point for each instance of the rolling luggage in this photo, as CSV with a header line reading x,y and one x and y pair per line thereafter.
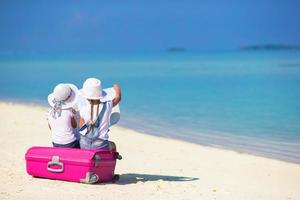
x,y
77,165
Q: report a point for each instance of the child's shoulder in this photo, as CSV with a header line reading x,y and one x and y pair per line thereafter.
x,y
64,113
68,111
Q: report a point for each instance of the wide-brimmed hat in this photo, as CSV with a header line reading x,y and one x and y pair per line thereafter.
x,y
64,95
92,89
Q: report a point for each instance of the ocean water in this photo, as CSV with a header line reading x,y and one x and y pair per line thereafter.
x,y
245,100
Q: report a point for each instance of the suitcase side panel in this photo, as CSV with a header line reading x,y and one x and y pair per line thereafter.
x,y
59,163
69,165
106,167
69,173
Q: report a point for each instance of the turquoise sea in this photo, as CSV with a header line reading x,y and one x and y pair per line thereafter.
x,y
248,101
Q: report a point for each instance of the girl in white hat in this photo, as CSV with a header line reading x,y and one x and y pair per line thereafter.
x,y
61,117
95,116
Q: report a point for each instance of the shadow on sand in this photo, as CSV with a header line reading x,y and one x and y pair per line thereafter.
x,y
135,178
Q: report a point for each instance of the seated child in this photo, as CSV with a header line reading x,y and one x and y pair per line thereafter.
x,y
61,118
95,116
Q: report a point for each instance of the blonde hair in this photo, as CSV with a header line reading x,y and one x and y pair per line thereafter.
x,y
92,103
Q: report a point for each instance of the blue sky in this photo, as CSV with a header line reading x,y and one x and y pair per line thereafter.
x,y
122,26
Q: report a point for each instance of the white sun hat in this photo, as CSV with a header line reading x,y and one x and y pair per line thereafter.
x,y
92,89
65,95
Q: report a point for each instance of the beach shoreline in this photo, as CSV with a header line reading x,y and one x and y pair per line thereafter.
x,y
235,146
152,167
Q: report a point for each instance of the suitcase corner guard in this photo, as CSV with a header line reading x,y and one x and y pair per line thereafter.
x,y
90,178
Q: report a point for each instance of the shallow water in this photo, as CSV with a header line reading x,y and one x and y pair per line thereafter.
x,y
248,101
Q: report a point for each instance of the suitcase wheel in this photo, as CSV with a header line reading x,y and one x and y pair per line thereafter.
x,y
117,156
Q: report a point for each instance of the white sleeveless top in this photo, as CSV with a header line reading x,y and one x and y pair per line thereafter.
x,y
61,127
85,113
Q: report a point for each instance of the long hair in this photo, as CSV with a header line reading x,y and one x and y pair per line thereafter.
x,y
92,103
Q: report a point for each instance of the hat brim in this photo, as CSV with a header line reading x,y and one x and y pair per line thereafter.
x,y
70,102
108,94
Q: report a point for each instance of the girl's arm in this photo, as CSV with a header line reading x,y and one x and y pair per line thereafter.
x,y
117,99
73,122
73,119
48,122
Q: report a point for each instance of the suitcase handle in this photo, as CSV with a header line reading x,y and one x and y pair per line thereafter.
x,y
53,162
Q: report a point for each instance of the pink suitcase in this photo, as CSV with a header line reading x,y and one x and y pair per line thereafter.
x,y
78,165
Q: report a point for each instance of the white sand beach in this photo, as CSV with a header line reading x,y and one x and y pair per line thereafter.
x,y
152,167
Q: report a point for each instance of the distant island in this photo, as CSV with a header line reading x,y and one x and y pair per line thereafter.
x,y
270,47
175,49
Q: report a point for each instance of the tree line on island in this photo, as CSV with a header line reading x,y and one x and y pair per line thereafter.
x,y
261,47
